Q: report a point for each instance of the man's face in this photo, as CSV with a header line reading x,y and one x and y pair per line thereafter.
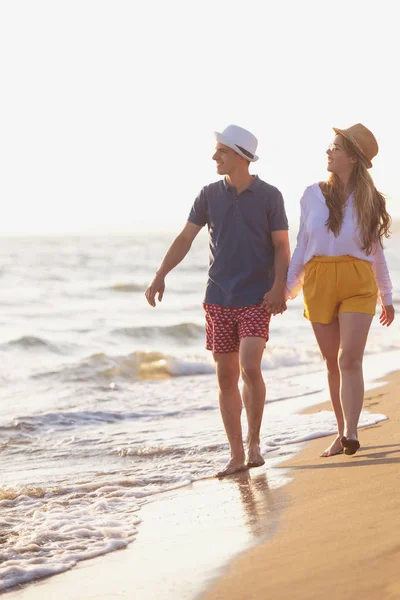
x,y
227,159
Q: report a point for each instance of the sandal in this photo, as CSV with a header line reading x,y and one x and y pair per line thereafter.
x,y
350,446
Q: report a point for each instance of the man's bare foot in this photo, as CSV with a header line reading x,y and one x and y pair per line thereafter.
x,y
334,448
232,466
254,458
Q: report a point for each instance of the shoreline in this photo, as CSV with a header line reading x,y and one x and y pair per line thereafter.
x,y
338,536
185,537
204,539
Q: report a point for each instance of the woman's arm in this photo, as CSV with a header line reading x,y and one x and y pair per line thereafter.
x,y
384,284
295,276
382,276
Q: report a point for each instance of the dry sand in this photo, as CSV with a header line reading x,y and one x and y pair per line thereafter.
x,y
331,533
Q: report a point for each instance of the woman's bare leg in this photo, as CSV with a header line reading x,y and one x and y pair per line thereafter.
x,y
354,329
328,338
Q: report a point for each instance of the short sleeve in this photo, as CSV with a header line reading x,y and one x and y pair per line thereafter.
x,y
198,213
276,212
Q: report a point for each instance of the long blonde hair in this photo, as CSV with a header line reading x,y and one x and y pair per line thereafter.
x,y
373,220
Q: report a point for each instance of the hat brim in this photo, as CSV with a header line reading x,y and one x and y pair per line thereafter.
x,y
350,138
228,142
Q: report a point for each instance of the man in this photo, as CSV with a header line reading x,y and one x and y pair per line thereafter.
x,y
249,258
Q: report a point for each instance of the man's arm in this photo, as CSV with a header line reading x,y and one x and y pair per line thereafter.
x,y
274,300
175,254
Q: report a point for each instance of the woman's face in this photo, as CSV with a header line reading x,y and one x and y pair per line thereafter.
x,y
339,161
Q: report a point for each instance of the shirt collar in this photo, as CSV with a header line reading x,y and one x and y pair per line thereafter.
x,y
252,187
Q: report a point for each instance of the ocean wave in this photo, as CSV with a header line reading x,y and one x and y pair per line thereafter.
x,y
72,419
277,357
157,365
181,332
141,288
151,451
30,341
43,535
133,367
126,287
153,365
19,430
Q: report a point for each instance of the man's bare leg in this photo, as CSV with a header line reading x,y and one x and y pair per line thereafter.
x,y
250,355
230,403
328,338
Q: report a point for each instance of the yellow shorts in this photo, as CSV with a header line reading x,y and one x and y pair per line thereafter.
x,y
334,284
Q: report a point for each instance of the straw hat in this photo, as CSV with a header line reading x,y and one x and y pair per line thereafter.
x,y
240,140
362,139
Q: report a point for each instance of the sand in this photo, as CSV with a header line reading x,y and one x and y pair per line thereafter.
x,y
333,532
340,535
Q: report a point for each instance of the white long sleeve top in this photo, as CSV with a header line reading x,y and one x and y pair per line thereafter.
x,y
315,239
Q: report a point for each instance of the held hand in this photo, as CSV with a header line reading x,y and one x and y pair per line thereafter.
x,y
157,286
387,315
274,301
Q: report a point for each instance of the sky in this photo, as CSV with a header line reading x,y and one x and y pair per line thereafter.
x,y
108,107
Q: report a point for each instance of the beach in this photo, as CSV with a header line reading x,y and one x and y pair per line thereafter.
x,y
106,403
114,417
110,430
331,532
339,535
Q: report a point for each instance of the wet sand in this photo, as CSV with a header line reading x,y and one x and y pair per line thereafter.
x,y
185,537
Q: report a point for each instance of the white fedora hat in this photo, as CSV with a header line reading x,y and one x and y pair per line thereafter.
x,y
240,140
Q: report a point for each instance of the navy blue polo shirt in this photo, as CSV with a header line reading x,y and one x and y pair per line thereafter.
x,y
241,268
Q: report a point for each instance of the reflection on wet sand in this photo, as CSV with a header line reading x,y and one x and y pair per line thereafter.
x,y
258,501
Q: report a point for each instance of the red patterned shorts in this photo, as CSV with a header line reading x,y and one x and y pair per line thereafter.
x,y
226,326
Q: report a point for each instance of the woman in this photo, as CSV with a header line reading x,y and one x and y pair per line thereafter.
x,y
339,257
